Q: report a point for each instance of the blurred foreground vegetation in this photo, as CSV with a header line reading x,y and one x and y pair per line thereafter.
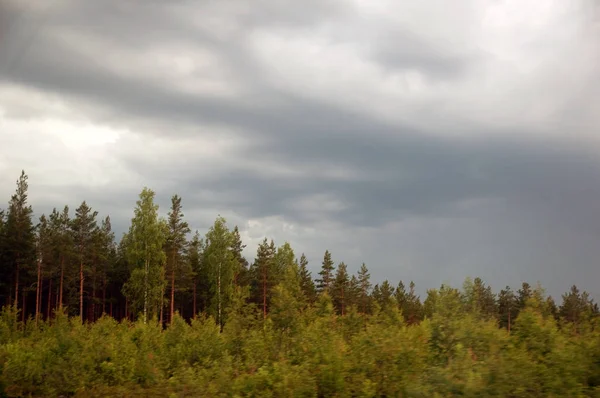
x,y
304,350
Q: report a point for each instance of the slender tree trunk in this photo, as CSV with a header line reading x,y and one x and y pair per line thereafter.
x,y
343,300
146,269
162,306
37,291
17,282
172,291
81,291
93,310
219,283
49,299
126,308
265,292
195,300
24,307
104,295
62,279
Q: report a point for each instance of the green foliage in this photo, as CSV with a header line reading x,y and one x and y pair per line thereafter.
x,y
144,251
261,330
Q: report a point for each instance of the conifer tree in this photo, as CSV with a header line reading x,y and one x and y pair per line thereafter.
x,y
63,244
144,249
263,274
326,273
108,256
19,239
306,282
242,273
339,289
364,283
194,254
84,227
175,245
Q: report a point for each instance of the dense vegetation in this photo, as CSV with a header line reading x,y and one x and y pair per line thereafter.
x,y
169,313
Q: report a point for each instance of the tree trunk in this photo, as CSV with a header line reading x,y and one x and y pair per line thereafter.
x,y
104,295
62,279
38,292
49,299
172,291
219,282
146,269
81,291
93,310
195,300
343,301
17,283
265,292
24,307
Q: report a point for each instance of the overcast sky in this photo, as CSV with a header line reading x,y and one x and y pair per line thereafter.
x,y
432,142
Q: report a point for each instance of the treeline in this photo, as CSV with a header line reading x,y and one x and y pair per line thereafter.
x,y
165,312
73,262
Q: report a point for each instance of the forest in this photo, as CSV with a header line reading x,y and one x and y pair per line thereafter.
x,y
169,312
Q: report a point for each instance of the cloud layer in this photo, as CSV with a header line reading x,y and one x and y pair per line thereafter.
x,y
433,143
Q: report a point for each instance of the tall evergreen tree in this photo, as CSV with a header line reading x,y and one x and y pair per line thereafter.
x,y
175,245
194,254
19,239
306,282
339,288
144,248
364,283
263,274
44,253
326,273
507,308
242,273
384,295
108,256
84,227
63,244
523,295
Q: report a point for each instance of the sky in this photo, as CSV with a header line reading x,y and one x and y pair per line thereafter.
x,y
431,142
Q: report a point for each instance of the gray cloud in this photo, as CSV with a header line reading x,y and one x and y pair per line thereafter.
x,y
416,183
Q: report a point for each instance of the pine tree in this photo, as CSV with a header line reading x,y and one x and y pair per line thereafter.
x,y
108,256
326,273
339,288
364,283
414,307
144,249
194,254
384,295
507,308
263,275
43,250
242,273
523,295
63,245
306,282
175,245
19,239
84,229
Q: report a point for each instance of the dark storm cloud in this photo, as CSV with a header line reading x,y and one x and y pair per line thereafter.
x,y
395,171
